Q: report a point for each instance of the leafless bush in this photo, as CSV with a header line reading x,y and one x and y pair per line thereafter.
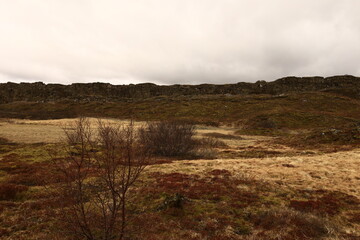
x,y
99,168
169,138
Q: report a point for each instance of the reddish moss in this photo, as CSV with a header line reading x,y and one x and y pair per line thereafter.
x,y
354,217
326,202
284,223
315,206
10,191
7,205
215,186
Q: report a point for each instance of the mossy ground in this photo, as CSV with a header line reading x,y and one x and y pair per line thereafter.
x,y
292,111
214,203
235,196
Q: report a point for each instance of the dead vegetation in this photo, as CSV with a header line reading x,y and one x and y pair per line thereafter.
x,y
222,135
96,175
284,223
169,138
9,191
307,110
4,141
255,188
330,140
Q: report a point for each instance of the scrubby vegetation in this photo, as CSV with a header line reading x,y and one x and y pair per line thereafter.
x,y
10,191
221,136
238,185
96,175
215,204
293,225
169,138
329,139
286,112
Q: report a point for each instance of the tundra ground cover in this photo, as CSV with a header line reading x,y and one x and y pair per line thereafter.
x,y
253,181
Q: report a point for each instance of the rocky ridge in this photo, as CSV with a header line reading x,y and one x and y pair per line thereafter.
x,y
39,92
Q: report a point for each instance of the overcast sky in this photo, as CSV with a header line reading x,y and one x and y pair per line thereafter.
x,y
177,41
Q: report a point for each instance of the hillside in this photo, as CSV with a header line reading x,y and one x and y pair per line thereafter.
x,y
10,92
273,160
286,107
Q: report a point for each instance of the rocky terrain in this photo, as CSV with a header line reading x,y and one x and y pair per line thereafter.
x,y
9,92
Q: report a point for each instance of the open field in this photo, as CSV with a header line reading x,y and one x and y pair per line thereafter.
x,y
250,173
41,131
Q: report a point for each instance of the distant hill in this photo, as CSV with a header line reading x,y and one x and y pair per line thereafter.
x,y
39,92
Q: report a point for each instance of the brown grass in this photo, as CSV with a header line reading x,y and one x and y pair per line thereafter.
x,y
43,131
222,135
10,191
223,198
283,223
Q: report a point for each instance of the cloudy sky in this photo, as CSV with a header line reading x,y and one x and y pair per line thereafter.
x,y
177,41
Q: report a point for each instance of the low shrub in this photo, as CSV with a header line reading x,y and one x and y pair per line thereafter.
x,y
173,201
169,138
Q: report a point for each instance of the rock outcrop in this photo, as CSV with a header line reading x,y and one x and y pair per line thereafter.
x,y
10,92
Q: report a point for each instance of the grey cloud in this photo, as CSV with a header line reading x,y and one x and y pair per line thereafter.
x,y
177,41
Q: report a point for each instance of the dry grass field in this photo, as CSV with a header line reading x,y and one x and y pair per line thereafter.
x,y
41,131
256,174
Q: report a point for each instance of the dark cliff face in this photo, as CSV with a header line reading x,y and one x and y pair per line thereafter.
x,y
10,92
